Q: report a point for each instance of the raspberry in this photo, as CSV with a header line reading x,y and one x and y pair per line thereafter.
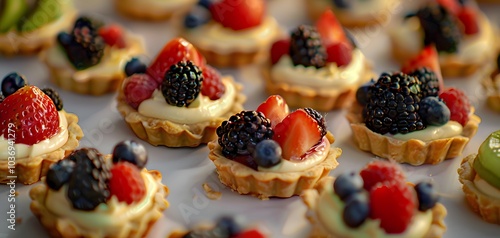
x,y
458,103
126,183
393,203
212,85
113,36
138,88
380,171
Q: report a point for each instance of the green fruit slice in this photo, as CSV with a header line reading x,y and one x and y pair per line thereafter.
x,y
12,12
45,12
487,163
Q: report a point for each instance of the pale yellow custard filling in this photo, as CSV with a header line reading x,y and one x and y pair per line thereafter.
x,y
448,130
45,146
485,187
201,110
109,218
329,212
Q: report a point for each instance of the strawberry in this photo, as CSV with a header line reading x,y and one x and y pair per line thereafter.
x,y
297,134
212,86
278,49
458,103
238,15
340,53
138,88
126,183
30,114
429,58
468,16
394,204
113,35
173,52
254,233
380,171
451,5
274,108
330,30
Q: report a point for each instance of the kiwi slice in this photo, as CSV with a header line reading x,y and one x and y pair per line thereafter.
x,y
12,12
487,164
45,12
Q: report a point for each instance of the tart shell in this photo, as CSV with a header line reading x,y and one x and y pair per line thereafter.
x,y
484,205
171,134
234,59
141,10
31,170
263,185
413,151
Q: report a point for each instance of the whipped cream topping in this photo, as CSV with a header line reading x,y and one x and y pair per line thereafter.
x,y
45,146
485,187
201,110
450,129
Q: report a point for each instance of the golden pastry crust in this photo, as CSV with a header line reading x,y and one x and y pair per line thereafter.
x,y
30,43
310,198
150,11
234,59
484,205
171,134
66,76
31,170
302,96
263,185
414,152
58,226
490,83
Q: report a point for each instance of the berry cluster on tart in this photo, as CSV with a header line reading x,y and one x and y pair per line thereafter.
x,y
35,130
27,27
225,227
153,10
354,13
88,194
178,100
231,33
410,117
272,152
89,59
317,66
491,84
461,33
376,202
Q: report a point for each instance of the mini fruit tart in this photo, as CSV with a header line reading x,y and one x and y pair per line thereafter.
x,y
357,13
35,130
272,152
231,33
90,58
91,195
481,183
178,101
27,27
318,66
153,10
376,202
226,227
410,117
461,33
491,84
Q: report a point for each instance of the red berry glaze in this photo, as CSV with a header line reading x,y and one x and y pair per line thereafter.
x,y
138,87
278,49
340,53
238,15
468,16
32,113
458,103
274,108
394,204
126,183
113,36
380,171
212,86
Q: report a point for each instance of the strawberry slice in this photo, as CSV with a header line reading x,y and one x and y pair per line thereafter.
x,y
278,49
468,16
297,134
113,35
250,234
339,53
274,108
451,5
429,58
30,114
173,52
238,15
330,30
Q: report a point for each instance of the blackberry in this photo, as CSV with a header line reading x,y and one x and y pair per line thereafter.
x,y
240,134
92,24
87,186
319,118
393,104
440,27
429,80
59,173
55,97
306,48
182,83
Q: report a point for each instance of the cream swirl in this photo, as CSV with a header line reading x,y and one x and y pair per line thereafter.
x,y
485,187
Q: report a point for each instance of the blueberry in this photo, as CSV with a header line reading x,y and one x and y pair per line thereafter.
x,y
433,111
227,225
59,173
198,16
267,153
132,152
135,66
362,93
427,197
347,184
11,83
205,3
64,38
342,3
356,209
